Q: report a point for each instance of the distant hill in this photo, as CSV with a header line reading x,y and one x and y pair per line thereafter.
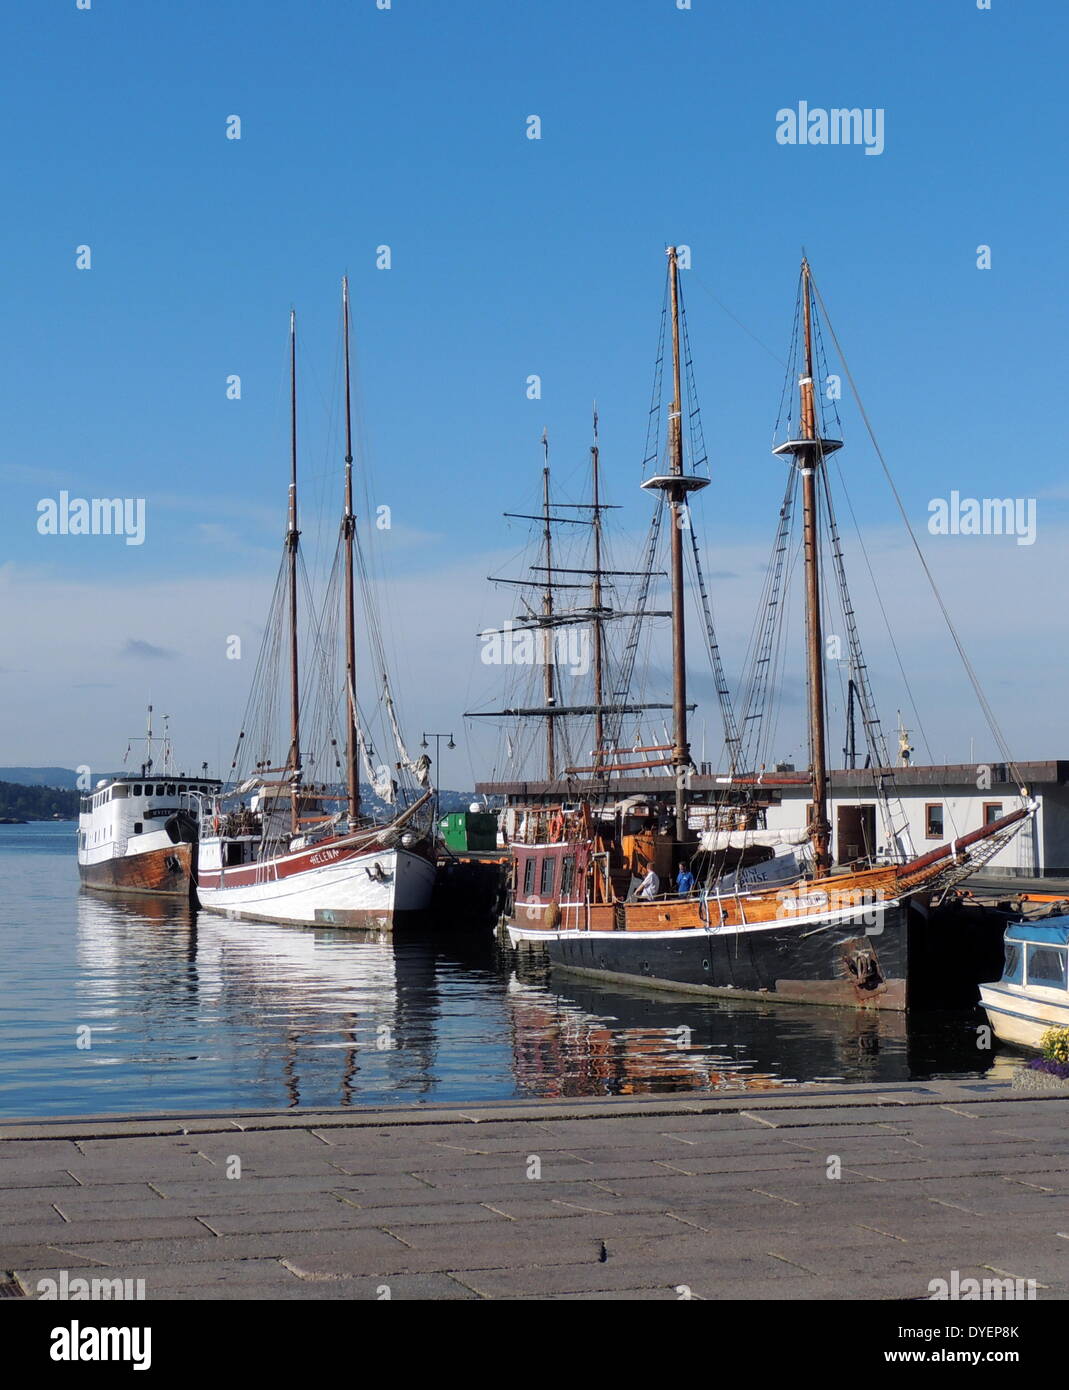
x,y
46,776
56,789
19,802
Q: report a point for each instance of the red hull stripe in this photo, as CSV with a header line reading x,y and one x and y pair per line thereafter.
x,y
271,870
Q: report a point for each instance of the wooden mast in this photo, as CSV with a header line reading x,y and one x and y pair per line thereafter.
x,y
595,594
677,486
809,452
818,809
547,612
677,501
292,538
352,774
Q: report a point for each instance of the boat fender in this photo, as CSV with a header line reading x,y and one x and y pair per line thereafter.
x,y
552,917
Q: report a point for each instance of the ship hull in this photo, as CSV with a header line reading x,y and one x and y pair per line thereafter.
x,y
893,958
382,888
165,872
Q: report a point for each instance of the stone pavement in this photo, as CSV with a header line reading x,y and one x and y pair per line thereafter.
x,y
722,1195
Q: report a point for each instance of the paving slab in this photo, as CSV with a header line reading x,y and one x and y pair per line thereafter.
x,y
647,1198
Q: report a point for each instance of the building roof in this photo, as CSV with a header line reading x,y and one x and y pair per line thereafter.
x,y
939,775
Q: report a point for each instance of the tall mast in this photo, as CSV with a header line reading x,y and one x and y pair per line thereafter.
x,y
809,452
677,485
292,538
547,612
595,593
677,500
352,776
811,461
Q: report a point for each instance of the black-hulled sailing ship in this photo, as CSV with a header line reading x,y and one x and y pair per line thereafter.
x,y
767,914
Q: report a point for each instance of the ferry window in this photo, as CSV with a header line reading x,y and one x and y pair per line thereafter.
x,y
549,864
933,821
170,789
1046,966
138,825
567,875
137,790
1011,971
992,811
528,875
120,791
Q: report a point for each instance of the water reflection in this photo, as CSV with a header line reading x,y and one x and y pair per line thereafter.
x,y
192,1011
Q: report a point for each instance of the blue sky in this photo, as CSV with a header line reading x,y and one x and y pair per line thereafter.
x,y
406,127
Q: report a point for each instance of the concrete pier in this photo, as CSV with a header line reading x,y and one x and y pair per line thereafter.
x,y
811,1192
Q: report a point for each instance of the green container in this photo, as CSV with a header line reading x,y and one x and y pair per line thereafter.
x,y
469,830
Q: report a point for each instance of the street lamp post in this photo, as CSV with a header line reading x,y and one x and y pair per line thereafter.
x,y
437,783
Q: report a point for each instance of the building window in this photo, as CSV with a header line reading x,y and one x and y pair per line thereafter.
x,y
549,865
933,820
528,876
567,875
1046,966
992,811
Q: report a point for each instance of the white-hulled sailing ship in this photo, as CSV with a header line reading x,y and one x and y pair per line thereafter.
x,y
137,833
767,915
281,846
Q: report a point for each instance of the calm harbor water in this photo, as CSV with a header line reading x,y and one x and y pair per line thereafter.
x,y
190,1011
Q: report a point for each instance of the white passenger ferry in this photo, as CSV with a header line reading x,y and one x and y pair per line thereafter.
x,y
137,833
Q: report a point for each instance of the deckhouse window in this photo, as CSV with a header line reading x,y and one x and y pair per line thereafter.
x,y
170,789
137,790
933,820
120,791
1046,966
567,875
549,864
1011,971
528,876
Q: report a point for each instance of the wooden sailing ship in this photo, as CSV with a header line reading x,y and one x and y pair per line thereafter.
x,y
756,922
279,846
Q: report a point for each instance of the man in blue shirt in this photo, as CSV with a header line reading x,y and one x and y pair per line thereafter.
x,y
684,879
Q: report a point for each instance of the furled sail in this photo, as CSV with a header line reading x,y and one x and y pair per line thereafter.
x,y
743,839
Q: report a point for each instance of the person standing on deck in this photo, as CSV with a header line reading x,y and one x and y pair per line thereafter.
x,y
650,886
684,879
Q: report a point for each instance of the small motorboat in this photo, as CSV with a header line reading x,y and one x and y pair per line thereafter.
x,y
1033,993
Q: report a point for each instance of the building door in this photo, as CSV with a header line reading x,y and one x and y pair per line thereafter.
x,y
855,833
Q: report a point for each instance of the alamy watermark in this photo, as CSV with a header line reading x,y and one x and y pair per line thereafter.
x,y
968,1289
92,516
816,125
983,516
566,648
